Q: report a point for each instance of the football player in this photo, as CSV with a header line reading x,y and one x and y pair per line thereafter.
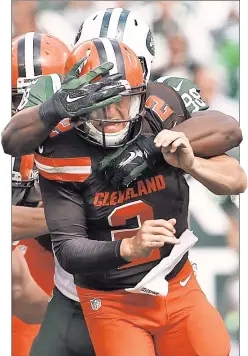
x,y
65,295
222,136
111,239
33,56
29,300
32,260
26,221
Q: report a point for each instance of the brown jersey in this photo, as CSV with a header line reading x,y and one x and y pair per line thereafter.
x,y
88,218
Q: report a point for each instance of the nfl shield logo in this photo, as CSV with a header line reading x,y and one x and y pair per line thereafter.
x,y
50,298
195,268
23,248
95,303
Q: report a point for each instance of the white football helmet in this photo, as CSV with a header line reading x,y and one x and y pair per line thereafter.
x,y
125,27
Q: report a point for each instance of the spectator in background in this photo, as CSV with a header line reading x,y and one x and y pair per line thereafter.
x,y
211,84
228,51
179,64
178,61
213,90
23,17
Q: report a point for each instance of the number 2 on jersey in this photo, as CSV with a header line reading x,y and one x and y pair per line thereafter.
x,y
142,211
159,107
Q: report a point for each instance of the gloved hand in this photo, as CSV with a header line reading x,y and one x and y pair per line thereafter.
x,y
127,164
79,96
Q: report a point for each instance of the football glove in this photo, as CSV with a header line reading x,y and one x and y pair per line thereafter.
x,y
78,96
127,164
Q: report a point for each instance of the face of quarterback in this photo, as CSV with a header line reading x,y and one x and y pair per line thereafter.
x,y
116,112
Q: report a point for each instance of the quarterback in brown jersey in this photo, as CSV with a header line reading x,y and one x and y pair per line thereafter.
x,y
112,240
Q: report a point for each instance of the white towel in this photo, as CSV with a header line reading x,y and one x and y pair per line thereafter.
x,y
154,282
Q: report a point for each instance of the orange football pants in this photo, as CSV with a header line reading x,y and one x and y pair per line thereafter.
x,y
41,266
183,323
22,336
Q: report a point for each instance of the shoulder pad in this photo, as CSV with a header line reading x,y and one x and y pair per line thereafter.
x,y
189,92
164,107
58,159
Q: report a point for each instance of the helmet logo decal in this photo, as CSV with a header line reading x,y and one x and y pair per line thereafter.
x,y
150,43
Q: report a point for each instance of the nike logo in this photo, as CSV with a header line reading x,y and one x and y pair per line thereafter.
x,y
40,149
183,283
179,86
70,100
131,157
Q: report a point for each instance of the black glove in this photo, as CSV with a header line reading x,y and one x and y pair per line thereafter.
x,y
78,96
127,164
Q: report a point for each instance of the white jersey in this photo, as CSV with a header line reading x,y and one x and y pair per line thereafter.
x,y
64,281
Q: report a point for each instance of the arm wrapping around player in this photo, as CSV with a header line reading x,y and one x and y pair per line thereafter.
x,y
29,301
28,222
24,131
222,175
65,216
211,133
29,129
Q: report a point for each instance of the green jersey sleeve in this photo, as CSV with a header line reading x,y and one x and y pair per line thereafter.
x,y
189,92
41,89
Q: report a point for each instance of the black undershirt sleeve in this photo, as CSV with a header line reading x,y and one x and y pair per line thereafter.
x,y
66,220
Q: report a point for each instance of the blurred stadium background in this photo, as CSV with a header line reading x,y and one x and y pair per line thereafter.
x,y
198,40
